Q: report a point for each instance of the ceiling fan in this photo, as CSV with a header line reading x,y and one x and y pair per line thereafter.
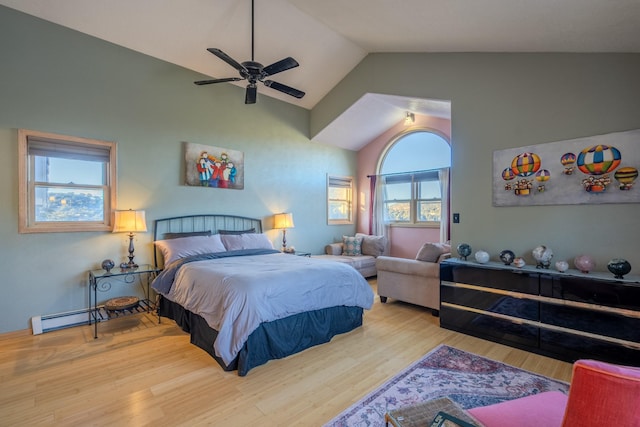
x,y
255,72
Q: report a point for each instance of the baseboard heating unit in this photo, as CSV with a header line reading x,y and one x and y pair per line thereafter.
x,y
52,322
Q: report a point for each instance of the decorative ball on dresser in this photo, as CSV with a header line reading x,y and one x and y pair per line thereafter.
x,y
464,250
507,256
619,267
542,254
519,262
584,263
562,266
482,257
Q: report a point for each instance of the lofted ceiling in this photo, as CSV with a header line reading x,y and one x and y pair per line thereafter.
x,y
330,37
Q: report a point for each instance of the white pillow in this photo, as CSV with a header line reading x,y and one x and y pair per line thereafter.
x,y
235,242
174,249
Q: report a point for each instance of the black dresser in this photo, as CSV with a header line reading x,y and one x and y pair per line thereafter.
x,y
566,316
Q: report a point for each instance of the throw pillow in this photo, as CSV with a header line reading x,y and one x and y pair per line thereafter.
x,y
372,245
351,245
430,252
174,249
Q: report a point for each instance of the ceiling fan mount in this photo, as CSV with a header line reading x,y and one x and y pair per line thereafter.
x,y
255,72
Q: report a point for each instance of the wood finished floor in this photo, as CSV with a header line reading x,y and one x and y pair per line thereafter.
x,y
140,373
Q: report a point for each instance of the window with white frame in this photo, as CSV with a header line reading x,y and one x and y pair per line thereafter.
x,y
66,183
340,199
412,168
413,198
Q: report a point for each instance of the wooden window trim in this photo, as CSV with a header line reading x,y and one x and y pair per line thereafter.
x,y
24,193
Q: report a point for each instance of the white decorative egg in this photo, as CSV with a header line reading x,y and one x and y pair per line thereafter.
x,y
519,262
482,257
562,266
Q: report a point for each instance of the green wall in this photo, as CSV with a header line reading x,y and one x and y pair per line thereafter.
x,y
53,79
503,101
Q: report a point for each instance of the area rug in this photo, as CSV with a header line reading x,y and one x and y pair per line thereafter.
x,y
467,379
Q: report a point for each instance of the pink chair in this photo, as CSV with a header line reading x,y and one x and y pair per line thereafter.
x,y
601,394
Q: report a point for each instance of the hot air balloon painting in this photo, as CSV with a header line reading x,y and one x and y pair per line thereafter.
x,y
625,177
508,175
586,170
524,165
541,176
597,162
568,160
599,159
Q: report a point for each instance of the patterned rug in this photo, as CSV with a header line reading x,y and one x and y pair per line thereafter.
x,y
465,378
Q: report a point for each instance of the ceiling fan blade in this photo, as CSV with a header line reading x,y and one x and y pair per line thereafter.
x,y
226,58
284,88
208,82
251,94
280,66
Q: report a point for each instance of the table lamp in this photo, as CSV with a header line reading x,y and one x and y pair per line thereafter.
x,y
283,221
129,222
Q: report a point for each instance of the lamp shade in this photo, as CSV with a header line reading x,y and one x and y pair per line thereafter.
x,y
283,220
129,221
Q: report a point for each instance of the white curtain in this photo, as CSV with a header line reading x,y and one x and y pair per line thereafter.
x,y
379,227
443,175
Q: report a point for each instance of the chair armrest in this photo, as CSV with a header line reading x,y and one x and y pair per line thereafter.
x,y
443,257
408,266
333,249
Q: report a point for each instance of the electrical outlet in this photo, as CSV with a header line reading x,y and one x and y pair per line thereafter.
x,y
456,218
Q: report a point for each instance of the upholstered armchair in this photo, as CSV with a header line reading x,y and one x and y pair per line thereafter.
x,y
415,281
601,394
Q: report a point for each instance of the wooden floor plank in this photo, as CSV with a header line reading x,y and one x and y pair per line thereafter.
x,y
141,373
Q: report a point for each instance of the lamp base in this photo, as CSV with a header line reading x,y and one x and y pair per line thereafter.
x,y
130,264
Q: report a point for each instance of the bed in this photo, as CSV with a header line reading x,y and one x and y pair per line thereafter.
x,y
242,301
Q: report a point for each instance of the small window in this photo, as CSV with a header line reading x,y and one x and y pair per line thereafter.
x,y
339,200
413,198
66,183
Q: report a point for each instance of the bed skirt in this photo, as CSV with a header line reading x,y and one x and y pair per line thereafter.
x,y
272,340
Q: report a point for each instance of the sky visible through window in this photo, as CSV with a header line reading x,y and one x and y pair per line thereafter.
x,y
65,171
417,151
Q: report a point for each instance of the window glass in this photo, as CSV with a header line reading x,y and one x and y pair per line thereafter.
x,y
339,200
61,171
417,151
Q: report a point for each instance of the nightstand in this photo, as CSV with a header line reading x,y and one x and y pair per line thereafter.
x,y
101,280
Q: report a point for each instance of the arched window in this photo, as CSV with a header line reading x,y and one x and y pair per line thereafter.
x,y
414,186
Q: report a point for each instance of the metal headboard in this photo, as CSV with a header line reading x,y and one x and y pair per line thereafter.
x,y
206,222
